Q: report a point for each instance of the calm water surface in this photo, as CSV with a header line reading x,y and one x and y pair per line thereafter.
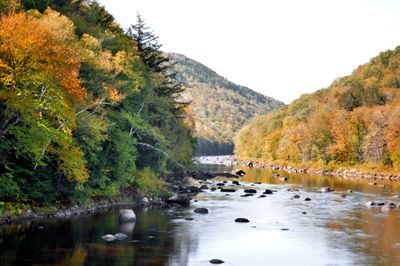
x,y
334,230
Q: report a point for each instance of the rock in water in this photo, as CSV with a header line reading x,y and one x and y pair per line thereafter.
x,y
242,220
307,199
201,210
216,261
109,238
250,190
126,215
120,236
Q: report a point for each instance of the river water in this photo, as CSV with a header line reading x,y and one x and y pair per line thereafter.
x,y
328,230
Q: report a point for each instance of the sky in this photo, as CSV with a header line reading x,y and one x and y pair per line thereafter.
x,y
279,48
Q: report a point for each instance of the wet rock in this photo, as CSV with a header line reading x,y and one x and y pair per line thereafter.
x,y
239,172
242,220
262,196
304,213
235,183
145,201
268,191
224,181
250,164
213,189
201,210
126,215
283,179
220,184
247,195
342,195
189,219
296,196
216,261
307,199
109,238
250,190
204,187
120,236
228,190
326,189
182,200
284,229
193,189
293,190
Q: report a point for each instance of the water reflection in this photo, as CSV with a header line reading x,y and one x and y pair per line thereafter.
x,y
328,230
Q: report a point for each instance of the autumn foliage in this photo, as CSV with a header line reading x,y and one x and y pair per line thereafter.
x,y
355,121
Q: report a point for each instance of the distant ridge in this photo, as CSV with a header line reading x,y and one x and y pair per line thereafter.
x,y
221,107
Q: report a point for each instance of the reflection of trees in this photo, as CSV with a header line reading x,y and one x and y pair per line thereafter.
x,y
186,240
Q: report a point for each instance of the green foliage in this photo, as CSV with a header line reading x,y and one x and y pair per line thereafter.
x,y
150,185
85,108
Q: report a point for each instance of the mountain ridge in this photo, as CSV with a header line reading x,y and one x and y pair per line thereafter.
x,y
221,107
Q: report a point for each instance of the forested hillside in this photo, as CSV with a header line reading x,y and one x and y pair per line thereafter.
x,y
220,107
86,108
355,121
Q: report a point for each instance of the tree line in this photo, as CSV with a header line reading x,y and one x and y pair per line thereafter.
x,y
87,108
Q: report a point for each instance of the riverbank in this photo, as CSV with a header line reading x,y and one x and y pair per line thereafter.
x,y
346,172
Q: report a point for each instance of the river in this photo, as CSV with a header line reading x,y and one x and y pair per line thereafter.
x,y
327,230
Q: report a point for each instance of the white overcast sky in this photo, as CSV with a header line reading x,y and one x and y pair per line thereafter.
x,y
280,48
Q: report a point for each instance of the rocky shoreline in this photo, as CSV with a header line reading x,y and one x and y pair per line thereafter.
x,y
230,160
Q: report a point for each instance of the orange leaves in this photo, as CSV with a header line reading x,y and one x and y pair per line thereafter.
x,y
41,45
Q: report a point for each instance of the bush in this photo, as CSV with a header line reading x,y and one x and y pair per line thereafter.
x,y
149,184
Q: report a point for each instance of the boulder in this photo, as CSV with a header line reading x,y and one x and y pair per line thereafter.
x,y
201,210
204,187
182,200
228,190
239,172
307,199
296,196
268,191
120,236
216,261
250,190
235,183
242,220
109,238
126,215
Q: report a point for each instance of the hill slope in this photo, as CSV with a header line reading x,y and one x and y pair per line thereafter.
x,y
356,120
221,107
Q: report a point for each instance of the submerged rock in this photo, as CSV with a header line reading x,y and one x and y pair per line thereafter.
x,y
126,215
242,220
201,210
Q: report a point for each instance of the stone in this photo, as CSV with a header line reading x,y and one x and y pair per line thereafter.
x,y
220,184
109,238
216,261
182,200
283,179
239,172
307,199
268,191
213,189
228,190
120,236
235,183
262,196
250,190
250,164
242,220
247,195
204,187
284,229
296,196
145,201
304,213
326,189
126,215
201,210
189,219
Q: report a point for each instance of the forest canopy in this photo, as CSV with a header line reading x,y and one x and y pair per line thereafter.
x,y
356,121
86,107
